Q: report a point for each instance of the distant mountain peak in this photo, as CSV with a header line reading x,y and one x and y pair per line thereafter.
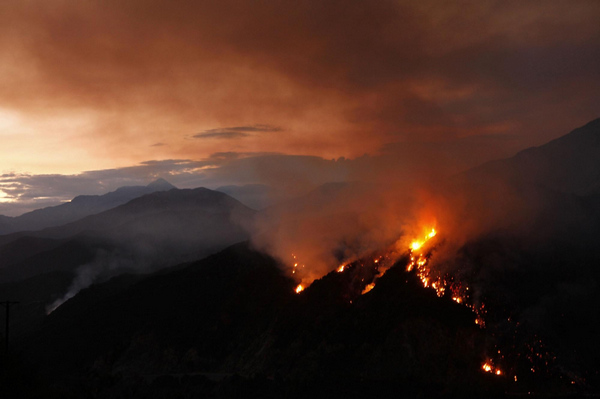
x,y
161,185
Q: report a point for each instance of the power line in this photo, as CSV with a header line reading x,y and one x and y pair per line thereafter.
x,y
7,305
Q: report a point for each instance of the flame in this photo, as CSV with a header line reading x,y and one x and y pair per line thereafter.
x,y
419,262
488,367
297,267
415,245
418,243
368,288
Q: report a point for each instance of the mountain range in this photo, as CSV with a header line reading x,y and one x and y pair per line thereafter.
x,y
568,164
79,207
174,301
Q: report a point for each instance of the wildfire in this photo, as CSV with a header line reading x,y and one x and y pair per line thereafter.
x,y
417,244
368,288
298,268
447,286
419,262
488,367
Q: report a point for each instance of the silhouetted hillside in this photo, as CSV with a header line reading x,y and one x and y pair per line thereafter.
x,y
521,235
527,246
235,312
158,229
256,196
569,164
79,207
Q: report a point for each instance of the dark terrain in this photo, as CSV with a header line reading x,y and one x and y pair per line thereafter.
x,y
175,310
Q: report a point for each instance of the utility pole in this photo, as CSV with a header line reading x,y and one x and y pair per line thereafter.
x,y
7,305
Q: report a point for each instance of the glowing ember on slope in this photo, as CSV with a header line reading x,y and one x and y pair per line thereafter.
x,y
368,288
365,271
489,367
419,262
299,269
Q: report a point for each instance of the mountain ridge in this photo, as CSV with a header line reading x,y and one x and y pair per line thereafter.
x,y
569,164
79,207
160,228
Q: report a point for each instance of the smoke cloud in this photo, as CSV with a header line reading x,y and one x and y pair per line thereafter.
x,y
96,85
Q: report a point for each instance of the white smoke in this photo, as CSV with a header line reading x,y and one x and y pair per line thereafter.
x,y
104,265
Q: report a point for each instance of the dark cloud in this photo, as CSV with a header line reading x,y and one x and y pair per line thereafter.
x,y
343,78
220,134
235,132
230,155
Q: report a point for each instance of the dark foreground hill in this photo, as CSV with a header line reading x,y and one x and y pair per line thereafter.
x,y
232,325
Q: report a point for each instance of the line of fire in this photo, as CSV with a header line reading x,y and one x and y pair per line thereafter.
x,y
507,355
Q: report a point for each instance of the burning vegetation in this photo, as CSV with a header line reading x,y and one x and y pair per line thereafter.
x,y
368,270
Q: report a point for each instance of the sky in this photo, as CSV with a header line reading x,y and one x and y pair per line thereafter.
x,y
99,94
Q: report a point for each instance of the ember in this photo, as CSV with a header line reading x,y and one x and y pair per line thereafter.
x,y
488,367
368,288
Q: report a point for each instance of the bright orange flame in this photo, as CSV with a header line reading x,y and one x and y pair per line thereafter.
x,y
341,268
299,288
489,368
368,288
415,245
